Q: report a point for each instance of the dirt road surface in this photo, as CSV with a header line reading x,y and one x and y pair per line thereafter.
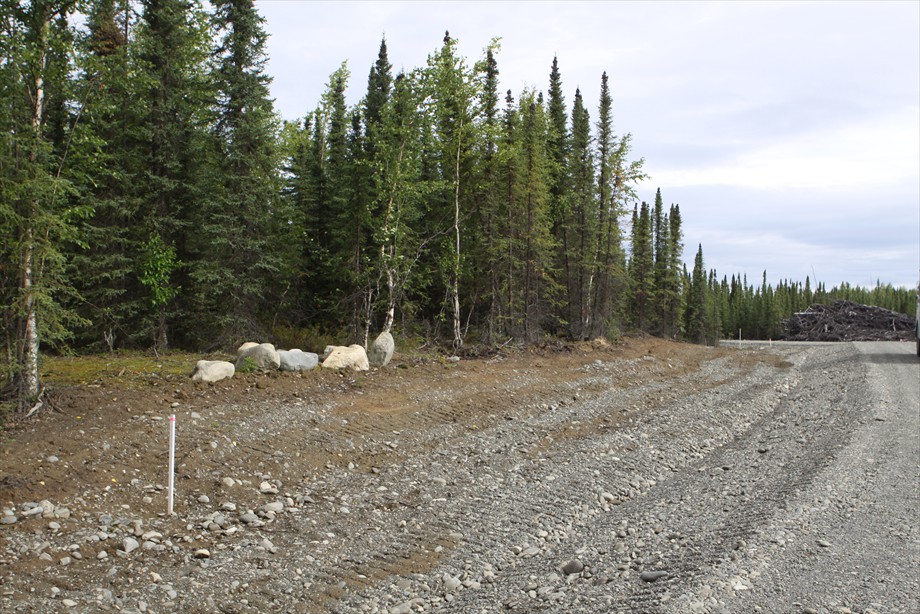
x,y
645,477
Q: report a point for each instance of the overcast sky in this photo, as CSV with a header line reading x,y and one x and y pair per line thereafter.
x,y
788,132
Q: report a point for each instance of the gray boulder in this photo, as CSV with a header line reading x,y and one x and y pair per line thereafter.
x,y
297,360
351,357
212,370
261,357
381,351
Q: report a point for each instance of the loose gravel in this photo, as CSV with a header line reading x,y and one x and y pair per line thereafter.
x,y
767,479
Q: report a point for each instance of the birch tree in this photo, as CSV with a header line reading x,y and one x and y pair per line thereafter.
x,y
33,206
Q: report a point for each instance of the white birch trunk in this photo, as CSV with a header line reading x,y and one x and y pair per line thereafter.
x,y
30,331
455,282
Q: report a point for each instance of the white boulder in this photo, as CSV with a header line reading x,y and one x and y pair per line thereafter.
x,y
351,357
212,370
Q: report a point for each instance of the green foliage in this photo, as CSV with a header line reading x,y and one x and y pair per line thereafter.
x,y
157,268
154,196
248,365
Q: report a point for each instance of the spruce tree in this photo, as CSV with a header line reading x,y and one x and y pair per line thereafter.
x,y
107,157
177,151
534,198
641,269
487,215
238,259
581,231
696,317
672,290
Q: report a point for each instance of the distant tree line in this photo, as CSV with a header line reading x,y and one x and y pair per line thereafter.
x,y
151,197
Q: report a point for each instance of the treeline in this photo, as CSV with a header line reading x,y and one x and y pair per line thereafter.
x,y
738,309
151,197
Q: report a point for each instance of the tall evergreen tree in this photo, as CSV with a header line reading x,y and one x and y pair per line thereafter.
x,y
615,185
177,149
367,200
581,231
532,218
660,238
238,261
696,316
671,290
107,157
641,269
487,216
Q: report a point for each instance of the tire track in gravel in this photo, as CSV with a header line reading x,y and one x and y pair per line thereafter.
x,y
344,572
688,524
560,508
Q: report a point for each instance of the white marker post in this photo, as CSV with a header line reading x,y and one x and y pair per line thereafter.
x,y
172,461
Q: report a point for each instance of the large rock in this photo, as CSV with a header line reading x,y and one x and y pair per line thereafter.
x,y
245,346
261,357
212,370
382,350
351,357
297,360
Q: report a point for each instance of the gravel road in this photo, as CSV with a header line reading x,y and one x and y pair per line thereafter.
x,y
763,479
777,492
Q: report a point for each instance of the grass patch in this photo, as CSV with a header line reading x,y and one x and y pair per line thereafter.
x,y
124,367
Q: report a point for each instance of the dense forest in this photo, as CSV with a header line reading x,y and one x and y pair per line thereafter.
x,y
151,197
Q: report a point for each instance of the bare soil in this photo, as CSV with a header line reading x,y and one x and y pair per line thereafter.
x,y
115,428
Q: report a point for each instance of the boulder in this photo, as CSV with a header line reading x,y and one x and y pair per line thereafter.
x,y
382,350
244,347
261,357
351,357
297,360
212,370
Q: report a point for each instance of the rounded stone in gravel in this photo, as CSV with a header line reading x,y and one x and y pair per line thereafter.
x,y
572,567
249,518
274,506
129,544
202,553
228,482
204,499
451,583
652,576
8,520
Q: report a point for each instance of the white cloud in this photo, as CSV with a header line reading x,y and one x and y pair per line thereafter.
x,y
871,151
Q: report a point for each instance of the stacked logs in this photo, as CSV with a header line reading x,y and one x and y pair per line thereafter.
x,y
848,321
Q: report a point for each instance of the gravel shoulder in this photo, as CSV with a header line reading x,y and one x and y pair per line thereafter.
x,y
646,477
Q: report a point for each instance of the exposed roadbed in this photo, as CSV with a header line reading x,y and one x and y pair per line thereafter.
x,y
646,477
